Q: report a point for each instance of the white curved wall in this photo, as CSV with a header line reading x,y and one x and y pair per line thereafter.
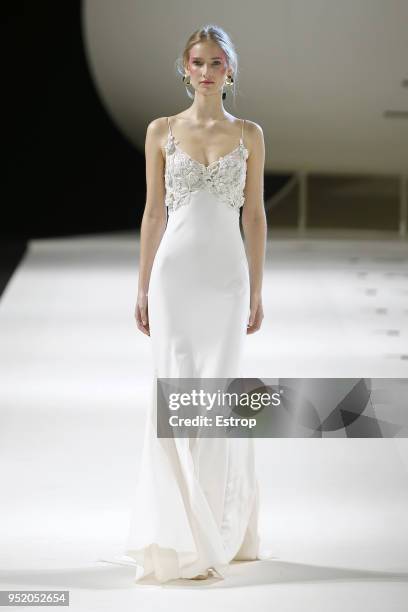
x,y
316,75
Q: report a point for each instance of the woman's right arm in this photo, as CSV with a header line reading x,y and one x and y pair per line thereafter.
x,y
154,219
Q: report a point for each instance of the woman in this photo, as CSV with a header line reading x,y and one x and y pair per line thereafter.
x,y
197,500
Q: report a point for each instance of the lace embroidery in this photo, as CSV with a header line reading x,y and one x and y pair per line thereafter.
x,y
225,178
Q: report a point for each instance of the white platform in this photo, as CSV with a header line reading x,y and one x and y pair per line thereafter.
x,y
74,390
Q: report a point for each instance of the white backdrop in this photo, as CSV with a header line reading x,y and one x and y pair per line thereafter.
x,y
316,75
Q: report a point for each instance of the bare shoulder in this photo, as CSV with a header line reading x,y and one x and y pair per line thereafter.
x,y
157,126
252,126
253,137
156,133
253,131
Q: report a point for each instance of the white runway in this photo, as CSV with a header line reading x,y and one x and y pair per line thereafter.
x,y
75,382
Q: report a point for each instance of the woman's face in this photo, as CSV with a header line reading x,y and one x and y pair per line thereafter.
x,y
207,62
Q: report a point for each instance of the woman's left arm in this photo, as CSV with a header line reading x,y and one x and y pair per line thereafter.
x,y
254,223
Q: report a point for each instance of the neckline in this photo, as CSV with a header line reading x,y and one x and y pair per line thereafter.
x,y
217,161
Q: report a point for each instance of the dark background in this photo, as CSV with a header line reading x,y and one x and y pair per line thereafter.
x,y
79,173
68,169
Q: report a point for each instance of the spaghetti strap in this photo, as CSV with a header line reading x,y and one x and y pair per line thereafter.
x,y
168,121
242,131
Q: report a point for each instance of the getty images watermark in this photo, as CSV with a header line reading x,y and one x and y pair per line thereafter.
x,y
282,407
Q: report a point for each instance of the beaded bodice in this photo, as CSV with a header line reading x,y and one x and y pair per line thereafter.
x,y
225,178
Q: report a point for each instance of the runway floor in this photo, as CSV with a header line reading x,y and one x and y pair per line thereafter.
x,y
73,394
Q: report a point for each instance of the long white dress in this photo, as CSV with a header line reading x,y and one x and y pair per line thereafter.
x,y
196,501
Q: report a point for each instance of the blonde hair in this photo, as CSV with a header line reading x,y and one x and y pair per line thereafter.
x,y
219,36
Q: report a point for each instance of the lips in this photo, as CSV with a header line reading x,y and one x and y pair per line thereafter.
x,y
208,82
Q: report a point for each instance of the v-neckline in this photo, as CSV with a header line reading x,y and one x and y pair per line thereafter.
x,y
217,161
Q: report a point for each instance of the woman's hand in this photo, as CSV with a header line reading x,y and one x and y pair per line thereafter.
x,y
256,314
141,313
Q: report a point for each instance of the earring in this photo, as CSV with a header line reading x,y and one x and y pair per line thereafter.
x,y
228,82
186,82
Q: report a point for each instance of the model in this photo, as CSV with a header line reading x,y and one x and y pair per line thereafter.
x,y
196,502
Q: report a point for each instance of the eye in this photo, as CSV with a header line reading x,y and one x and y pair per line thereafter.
x,y
216,63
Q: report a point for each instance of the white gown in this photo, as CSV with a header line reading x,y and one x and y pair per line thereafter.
x,y
196,503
